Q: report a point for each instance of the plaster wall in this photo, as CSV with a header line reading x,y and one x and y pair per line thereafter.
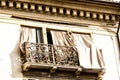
x,y
10,68
109,46
9,52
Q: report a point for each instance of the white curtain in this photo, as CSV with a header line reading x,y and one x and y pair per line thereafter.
x,y
83,50
59,38
27,35
61,53
89,55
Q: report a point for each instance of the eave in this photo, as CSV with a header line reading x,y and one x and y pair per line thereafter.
x,y
68,9
79,4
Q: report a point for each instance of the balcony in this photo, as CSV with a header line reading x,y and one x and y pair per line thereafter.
x,y
53,57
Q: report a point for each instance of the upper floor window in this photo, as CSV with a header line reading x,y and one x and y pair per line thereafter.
x,y
89,55
63,48
29,34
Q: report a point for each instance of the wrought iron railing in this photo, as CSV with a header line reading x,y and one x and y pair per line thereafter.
x,y
53,57
51,54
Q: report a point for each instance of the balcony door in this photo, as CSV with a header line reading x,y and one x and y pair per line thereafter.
x,y
89,55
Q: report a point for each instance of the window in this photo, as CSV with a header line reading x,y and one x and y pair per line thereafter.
x,y
49,37
83,44
61,46
29,34
39,38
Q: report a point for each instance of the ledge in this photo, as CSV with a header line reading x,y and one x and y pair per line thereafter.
x,y
46,57
52,69
29,65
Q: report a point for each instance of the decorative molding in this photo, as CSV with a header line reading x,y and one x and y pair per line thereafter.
x,y
42,8
101,74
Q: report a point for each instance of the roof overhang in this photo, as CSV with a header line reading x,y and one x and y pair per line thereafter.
x,y
59,9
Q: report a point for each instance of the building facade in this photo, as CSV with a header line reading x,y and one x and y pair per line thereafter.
x,y
59,40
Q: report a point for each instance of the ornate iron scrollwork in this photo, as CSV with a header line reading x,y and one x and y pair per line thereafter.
x,y
51,54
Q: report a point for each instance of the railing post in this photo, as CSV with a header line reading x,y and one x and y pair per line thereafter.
x,y
53,54
26,51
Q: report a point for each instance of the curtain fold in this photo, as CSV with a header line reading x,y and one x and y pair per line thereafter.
x,y
27,35
92,53
83,51
61,53
89,55
59,38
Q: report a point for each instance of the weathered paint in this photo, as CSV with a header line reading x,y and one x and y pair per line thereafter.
x,y
10,68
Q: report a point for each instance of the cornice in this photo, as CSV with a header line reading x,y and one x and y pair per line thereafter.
x,y
87,5
85,10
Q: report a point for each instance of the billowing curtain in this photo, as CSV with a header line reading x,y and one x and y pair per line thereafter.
x,y
61,52
27,35
83,50
59,38
89,55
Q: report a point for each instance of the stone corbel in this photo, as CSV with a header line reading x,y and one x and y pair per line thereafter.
x,y
39,7
113,18
18,5
54,10
11,4
68,11
101,74
47,9
53,69
107,17
32,6
3,3
78,72
88,14
61,11
94,15
74,12
81,13
25,6
100,16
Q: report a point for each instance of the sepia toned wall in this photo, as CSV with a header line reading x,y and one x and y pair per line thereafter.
x,y
9,52
10,68
109,46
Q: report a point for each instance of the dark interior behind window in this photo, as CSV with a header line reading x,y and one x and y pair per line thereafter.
x,y
39,36
49,37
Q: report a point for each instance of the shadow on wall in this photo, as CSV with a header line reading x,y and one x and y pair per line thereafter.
x,y
16,61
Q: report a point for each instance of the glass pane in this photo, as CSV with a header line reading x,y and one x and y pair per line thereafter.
x,y
39,35
49,37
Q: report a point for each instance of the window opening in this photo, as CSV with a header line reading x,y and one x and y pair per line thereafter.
x,y
39,35
49,38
